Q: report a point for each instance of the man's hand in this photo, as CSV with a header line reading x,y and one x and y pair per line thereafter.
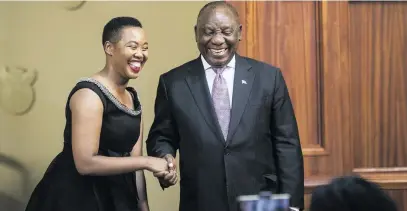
x,y
170,178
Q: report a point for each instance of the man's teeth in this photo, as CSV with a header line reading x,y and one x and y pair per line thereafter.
x,y
218,51
135,64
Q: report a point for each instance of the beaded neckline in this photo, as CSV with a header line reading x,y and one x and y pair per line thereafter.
x,y
113,99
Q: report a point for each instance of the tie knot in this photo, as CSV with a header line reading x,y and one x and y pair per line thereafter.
x,y
218,70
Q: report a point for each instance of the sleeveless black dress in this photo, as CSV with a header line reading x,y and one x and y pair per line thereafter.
x,y
62,188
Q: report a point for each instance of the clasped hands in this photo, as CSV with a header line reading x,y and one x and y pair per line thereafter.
x,y
168,178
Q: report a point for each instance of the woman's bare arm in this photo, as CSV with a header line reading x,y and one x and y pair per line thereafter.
x,y
140,178
87,114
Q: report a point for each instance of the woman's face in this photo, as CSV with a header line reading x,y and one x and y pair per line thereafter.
x,y
131,52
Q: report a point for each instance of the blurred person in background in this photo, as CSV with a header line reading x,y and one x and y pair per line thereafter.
x,y
351,193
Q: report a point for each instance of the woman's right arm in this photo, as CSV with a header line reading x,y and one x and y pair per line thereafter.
x,y
87,114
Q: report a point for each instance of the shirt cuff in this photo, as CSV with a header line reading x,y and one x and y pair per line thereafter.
x,y
294,209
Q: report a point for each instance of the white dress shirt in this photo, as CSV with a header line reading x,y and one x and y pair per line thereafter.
x,y
228,74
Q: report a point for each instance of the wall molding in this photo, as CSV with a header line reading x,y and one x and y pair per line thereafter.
x,y
310,183
314,150
394,178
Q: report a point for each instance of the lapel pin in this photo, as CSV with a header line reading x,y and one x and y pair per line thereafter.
x,y
244,82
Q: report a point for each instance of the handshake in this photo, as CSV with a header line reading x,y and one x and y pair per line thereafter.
x,y
165,170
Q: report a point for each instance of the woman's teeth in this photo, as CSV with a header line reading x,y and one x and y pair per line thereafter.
x,y
135,64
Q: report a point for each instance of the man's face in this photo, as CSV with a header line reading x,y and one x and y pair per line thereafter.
x,y
217,34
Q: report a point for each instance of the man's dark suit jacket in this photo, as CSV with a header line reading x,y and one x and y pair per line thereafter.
x,y
262,150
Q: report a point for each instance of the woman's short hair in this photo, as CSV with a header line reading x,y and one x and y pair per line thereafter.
x,y
112,30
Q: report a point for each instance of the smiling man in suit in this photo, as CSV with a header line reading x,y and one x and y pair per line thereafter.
x,y
231,119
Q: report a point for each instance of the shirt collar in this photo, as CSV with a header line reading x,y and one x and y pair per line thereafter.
x,y
207,66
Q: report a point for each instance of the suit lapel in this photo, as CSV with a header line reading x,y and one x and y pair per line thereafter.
x,y
242,87
198,85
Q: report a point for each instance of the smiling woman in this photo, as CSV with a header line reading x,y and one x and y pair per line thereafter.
x,y
101,164
126,49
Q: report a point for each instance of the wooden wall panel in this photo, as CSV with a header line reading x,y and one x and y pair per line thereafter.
x,y
288,33
282,32
347,75
400,197
378,36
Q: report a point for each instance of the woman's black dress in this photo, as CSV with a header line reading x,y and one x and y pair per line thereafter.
x,y
62,188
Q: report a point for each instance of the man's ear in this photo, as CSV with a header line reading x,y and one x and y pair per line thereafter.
x,y
108,47
240,32
196,33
